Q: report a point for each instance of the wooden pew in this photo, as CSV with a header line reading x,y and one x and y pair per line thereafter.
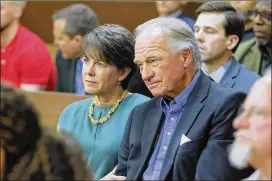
x,y
51,104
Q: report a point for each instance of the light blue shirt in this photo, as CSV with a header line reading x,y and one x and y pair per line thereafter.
x,y
219,73
172,114
78,84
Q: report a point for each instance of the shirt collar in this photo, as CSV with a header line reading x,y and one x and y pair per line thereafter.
x,y
182,98
255,176
218,74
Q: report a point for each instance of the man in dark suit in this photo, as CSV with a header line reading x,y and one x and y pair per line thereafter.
x,y
183,133
174,9
218,31
70,25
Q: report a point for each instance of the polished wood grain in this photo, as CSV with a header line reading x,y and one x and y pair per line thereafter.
x,y
51,104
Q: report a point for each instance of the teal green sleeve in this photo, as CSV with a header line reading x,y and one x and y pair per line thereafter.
x,y
67,119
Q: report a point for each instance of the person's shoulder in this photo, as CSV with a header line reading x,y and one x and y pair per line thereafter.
x,y
189,19
138,97
76,106
250,42
148,103
221,93
246,46
32,42
29,36
247,74
135,99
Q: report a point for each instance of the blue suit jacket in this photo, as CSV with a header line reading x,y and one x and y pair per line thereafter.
x,y
188,20
206,120
239,77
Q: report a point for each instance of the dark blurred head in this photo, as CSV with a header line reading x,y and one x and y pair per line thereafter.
x,y
262,22
19,122
218,30
70,25
244,8
108,59
166,8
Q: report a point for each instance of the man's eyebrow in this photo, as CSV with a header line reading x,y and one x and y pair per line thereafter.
x,y
84,55
136,61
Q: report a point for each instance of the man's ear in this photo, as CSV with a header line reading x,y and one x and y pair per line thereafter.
x,y
124,73
232,41
187,57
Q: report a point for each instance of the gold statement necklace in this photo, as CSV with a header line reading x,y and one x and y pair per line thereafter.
x,y
110,112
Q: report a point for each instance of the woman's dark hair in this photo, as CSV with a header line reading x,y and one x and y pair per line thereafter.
x,y
41,154
234,23
18,118
113,44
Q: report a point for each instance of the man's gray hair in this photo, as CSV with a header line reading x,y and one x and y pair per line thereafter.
x,y
177,32
80,19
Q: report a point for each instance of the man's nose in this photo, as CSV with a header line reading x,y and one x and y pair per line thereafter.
x,y
146,72
199,36
241,121
258,20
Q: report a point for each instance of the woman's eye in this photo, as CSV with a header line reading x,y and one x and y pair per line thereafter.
x,y
84,60
152,60
209,31
140,66
100,64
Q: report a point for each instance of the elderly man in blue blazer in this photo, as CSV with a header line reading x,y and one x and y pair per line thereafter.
x,y
184,132
218,31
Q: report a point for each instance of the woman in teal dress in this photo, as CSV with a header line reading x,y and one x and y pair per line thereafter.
x,y
98,123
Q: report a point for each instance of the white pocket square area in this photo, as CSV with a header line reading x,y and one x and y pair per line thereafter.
x,y
184,139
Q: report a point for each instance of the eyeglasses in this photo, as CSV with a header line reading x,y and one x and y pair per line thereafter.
x,y
265,15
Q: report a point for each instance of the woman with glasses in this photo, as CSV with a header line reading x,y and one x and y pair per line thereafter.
x,y
256,54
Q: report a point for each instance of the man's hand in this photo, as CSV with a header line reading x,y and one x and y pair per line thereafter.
x,y
111,176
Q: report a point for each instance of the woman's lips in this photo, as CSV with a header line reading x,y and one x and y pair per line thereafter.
x,y
152,85
91,82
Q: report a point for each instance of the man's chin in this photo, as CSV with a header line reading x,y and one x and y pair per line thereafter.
x,y
155,92
239,155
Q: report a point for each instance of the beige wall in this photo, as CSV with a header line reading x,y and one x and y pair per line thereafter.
x,y
37,15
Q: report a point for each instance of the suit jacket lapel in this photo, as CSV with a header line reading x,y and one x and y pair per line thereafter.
x,y
228,79
150,136
191,111
72,74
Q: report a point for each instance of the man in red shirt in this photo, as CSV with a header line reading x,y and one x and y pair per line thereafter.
x,y
25,60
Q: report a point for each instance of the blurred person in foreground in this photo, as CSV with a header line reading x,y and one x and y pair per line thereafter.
x,y
25,60
70,25
174,9
256,54
29,152
182,133
252,145
218,31
98,123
